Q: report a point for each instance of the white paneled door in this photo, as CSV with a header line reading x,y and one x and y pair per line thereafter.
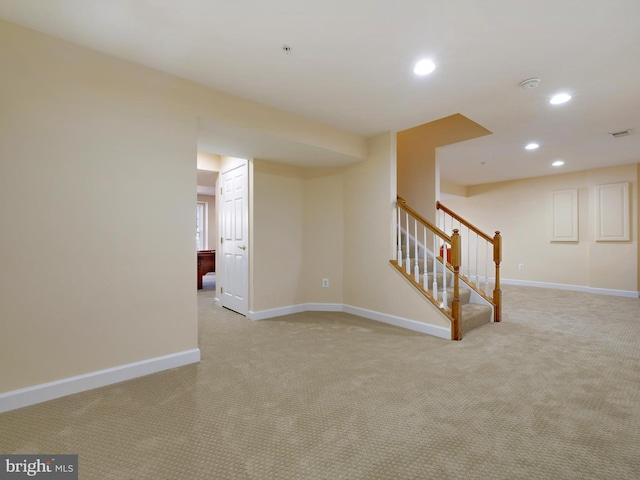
x,y
234,233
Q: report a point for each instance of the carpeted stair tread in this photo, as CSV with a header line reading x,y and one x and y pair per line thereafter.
x,y
474,315
438,279
421,263
465,295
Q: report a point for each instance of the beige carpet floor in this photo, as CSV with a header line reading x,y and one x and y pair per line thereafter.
x,y
553,392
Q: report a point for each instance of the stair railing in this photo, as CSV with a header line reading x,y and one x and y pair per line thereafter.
x,y
418,236
476,266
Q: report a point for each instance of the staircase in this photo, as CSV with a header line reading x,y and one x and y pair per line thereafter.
x,y
431,261
475,310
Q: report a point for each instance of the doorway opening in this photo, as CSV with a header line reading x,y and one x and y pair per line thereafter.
x,y
223,183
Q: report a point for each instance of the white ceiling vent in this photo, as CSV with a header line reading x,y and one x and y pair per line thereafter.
x,y
622,133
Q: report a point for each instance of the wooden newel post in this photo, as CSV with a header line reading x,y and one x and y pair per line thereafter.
x,y
497,293
456,244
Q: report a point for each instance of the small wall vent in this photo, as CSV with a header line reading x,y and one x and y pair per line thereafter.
x,y
622,133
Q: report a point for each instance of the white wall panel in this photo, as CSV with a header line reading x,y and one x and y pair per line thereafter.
x,y
564,215
612,212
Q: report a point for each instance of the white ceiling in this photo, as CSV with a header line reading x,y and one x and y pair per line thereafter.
x,y
351,66
235,141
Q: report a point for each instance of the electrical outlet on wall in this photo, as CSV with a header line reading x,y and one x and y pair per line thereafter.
x,y
521,266
325,282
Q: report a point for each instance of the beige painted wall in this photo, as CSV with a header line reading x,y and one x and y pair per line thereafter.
x,y
208,161
277,247
323,243
212,224
298,235
370,282
452,188
97,195
418,174
520,210
88,141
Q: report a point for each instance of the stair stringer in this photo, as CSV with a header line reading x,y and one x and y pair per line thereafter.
x,y
444,311
477,296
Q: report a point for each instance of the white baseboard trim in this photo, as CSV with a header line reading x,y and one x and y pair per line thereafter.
x,y
573,288
275,312
88,381
289,309
616,293
324,307
436,331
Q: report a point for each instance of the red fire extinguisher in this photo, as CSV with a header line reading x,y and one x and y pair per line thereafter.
x,y
448,259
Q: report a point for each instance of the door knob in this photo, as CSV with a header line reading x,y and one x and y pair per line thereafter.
x,y
242,247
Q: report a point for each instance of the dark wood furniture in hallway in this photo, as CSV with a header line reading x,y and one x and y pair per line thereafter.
x,y
206,264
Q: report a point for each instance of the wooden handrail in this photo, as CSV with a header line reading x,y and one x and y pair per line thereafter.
x,y
453,264
466,223
496,241
424,221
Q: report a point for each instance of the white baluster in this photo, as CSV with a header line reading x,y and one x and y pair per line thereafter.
x,y
408,258
425,277
468,254
486,268
445,248
399,220
461,245
477,256
416,268
435,282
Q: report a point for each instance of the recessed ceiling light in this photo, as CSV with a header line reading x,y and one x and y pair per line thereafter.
x,y
531,146
558,163
424,67
560,98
